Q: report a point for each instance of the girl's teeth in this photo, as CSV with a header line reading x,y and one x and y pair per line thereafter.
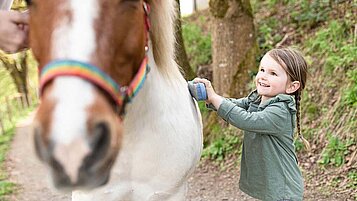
x,y
264,85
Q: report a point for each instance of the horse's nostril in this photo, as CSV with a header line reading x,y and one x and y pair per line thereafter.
x,y
101,136
61,179
99,143
39,145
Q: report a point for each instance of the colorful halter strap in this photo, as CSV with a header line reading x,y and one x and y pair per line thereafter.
x,y
94,75
120,94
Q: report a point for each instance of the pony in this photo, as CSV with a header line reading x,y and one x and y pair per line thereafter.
x,y
116,120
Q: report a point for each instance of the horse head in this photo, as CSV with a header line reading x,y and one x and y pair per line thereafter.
x,y
92,61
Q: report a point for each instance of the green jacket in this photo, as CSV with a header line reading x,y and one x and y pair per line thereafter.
x,y
269,166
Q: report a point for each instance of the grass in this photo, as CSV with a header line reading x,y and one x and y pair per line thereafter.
x,y
6,187
336,151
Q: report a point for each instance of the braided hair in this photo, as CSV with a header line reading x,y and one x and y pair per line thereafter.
x,y
296,67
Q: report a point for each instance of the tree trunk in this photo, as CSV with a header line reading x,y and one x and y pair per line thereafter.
x,y
194,5
234,46
234,50
181,55
18,72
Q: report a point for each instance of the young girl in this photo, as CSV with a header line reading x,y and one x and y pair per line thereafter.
x,y
269,166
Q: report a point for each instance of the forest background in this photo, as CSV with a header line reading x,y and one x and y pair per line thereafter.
x,y
224,44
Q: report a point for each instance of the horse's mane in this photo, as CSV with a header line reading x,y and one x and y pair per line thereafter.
x,y
162,17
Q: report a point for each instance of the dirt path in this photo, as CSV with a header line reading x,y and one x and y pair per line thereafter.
x,y
209,182
31,176
26,170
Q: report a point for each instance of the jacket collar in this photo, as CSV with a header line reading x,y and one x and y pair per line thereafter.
x,y
289,100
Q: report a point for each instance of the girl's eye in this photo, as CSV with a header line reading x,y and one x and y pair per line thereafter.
x,y
274,74
262,70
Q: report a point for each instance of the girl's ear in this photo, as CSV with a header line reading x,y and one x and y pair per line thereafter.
x,y
292,87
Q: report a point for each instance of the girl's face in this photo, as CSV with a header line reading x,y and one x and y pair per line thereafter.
x,y
271,79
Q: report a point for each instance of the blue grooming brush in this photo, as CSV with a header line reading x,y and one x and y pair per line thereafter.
x,y
197,90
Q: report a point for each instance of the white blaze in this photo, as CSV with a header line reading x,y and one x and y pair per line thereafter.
x,y
75,39
72,96
69,123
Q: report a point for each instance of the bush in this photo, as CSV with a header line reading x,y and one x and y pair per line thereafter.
x,y
198,45
335,151
228,143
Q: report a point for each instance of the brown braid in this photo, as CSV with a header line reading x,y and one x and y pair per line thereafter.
x,y
297,100
296,67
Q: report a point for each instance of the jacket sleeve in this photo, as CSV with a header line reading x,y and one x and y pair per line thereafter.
x,y
272,120
242,102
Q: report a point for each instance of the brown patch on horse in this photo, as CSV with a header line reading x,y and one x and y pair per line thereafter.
x,y
41,38
121,37
44,115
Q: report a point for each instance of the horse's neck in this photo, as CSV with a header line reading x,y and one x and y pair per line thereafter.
x,y
159,92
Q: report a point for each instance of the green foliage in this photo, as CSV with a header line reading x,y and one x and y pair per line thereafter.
x,y
350,93
5,143
197,44
352,181
5,140
203,108
270,4
352,177
267,34
6,83
312,110
14,109
335,151
333,44
308,133
298,145
228,143
6,188
310,13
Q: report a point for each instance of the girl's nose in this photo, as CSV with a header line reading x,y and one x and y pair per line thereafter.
x,y
262,75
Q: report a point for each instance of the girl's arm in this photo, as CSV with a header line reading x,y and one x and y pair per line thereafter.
x,y
272,120
241,102
214,100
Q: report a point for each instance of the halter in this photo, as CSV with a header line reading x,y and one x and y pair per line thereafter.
x,y
120,94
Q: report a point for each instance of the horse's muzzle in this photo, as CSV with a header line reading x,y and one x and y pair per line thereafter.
x,y
93,169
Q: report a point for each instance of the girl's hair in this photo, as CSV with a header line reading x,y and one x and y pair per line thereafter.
x,y
296,67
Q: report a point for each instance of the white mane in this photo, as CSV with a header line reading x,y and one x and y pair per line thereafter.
x,y
162,34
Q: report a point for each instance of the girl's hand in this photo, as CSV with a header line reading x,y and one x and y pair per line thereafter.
x,y
13,31
212,96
